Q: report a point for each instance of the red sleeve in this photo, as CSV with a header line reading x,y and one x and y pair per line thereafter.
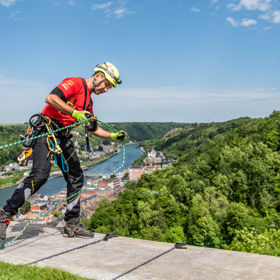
x,y
69,87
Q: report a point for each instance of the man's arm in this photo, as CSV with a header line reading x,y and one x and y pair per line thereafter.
x,y
100,132
57,103
120,135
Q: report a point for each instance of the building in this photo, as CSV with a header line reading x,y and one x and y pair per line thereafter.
x,y
36,210
135,172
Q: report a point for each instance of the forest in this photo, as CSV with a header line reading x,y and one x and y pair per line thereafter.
x,y
223,191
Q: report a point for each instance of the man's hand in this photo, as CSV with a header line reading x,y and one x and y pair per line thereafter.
x,y
121,135
81,115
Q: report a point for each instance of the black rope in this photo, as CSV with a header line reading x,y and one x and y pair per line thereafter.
x,y
105,238
179,245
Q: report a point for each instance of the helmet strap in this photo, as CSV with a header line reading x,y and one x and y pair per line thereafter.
x,y
97,84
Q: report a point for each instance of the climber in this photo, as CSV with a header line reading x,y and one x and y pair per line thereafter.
x,y
69,102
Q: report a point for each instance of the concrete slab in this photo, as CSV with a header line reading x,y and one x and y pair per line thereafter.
x,y
108,259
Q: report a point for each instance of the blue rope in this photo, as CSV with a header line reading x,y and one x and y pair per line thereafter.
x,y
64,163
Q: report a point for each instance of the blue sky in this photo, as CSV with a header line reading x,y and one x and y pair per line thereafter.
x,y
185,61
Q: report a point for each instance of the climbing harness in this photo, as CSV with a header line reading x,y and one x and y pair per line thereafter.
x,y
73,195
53,145
37,124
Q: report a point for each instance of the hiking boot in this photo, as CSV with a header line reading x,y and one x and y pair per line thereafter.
x,y
74,228
4,222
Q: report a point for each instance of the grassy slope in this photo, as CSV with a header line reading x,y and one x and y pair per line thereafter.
x,y
20,272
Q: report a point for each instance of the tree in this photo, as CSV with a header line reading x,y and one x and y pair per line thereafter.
x,y
201,229
246,240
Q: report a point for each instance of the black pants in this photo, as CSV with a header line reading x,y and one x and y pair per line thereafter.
x,y
40,173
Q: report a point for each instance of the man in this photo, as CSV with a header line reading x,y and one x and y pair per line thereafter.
x,y
69,102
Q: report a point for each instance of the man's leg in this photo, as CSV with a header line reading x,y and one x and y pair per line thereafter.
x,y
31,184
75,179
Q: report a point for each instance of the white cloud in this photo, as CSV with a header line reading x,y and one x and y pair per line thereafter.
x,y
261,5
276,16
115,9
7,3
265,17
120,12
232,21
248,22
231,6
194,9
273,16
71,2
244,22
15,14
102,6
267,10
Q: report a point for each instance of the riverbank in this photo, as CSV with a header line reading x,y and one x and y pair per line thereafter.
x,y
12,179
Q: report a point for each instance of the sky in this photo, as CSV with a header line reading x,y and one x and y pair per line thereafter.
x,y
180,61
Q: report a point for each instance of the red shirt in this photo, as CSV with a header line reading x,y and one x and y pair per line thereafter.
x,y
70,89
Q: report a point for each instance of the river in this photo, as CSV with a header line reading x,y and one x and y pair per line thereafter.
x,y
55,185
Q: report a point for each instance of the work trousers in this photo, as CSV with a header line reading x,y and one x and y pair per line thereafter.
x,y
41,171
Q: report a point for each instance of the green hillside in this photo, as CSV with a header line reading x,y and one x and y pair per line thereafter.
x,y
223,191
140,131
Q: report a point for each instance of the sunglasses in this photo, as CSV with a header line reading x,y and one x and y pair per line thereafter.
x,y
108,84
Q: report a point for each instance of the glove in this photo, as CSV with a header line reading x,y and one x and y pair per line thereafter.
x,y
81,115
121,135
